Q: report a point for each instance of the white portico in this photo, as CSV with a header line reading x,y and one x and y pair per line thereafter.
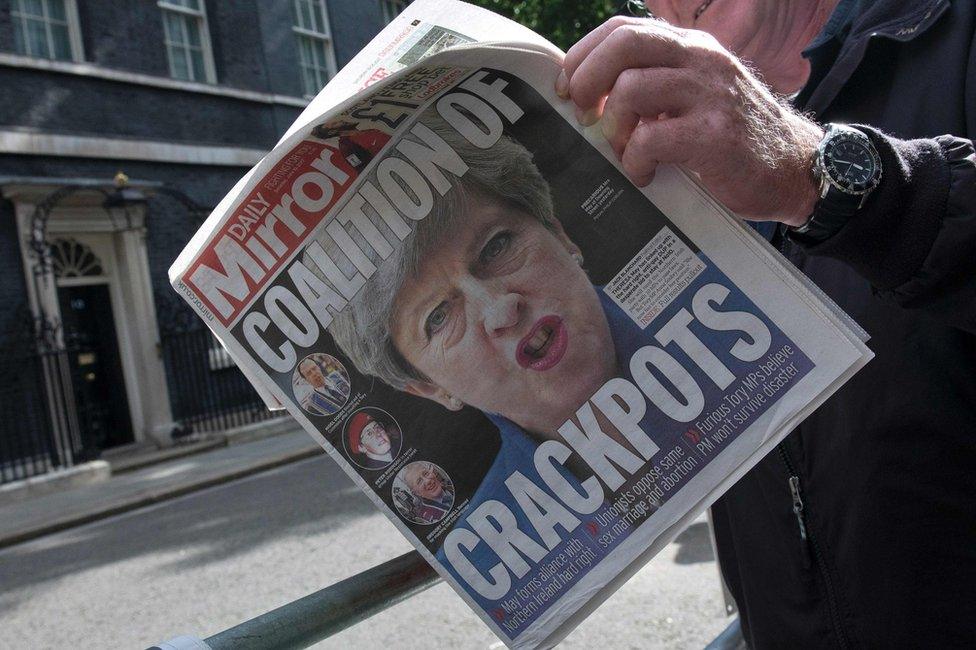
x,y
94,284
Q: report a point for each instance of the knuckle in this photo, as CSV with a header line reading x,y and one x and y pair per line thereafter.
x,y
705,40
720,124
627,38
710,53
619,21
686,35
716,58
629,83
644,140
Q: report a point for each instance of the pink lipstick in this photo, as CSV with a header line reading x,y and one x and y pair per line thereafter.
x,y
545,344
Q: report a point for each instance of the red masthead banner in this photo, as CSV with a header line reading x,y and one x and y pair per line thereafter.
x,y
267,227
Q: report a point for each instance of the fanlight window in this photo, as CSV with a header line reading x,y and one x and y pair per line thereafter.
x,y
72,259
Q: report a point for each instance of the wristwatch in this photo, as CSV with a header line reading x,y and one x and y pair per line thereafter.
x,y
848,168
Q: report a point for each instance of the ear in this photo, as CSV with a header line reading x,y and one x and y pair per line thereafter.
x,y
434,393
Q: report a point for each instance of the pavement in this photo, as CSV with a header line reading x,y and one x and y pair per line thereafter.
x,y
142,486
190,564
203,562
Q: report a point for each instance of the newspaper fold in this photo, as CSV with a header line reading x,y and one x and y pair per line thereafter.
x,y
539,372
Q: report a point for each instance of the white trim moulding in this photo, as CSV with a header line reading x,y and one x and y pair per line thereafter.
x,y
98,72
73,146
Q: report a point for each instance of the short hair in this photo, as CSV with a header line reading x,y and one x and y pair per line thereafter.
x,y
412,468
504,172
305,361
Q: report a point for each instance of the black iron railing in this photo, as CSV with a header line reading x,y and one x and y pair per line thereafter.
x,y
44,426
49,421
208,393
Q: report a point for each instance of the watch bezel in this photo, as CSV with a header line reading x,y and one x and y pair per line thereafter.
x,y
837,135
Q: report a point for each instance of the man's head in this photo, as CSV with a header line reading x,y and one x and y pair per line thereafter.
x,y
769,34
312,373
368,436
374,439
424,480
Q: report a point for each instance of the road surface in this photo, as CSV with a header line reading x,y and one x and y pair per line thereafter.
x,y
204,562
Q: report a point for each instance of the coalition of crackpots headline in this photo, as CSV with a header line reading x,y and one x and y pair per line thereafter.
x,y
237,265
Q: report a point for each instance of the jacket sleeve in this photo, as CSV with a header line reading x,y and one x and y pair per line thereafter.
x,y
915,238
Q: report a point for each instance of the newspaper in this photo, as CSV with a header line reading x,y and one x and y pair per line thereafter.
x,y
538,371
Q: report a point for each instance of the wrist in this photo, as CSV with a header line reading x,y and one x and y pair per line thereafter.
x,y
804,180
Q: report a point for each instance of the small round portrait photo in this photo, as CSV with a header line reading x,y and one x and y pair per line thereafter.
x,y
423,493
320,384
372,438
357,146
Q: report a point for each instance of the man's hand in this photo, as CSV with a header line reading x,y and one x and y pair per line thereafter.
x,y
671,95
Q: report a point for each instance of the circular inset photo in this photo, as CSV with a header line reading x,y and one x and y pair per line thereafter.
x,y
372,438
320,384
423,493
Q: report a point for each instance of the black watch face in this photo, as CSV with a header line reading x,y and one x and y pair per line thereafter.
x,y
852,164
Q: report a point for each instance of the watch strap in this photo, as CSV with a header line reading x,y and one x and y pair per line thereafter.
x,y
828,218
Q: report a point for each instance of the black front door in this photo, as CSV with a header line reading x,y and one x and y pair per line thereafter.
x,y
96,367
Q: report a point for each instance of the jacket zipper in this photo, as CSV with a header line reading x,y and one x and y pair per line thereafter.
x,y
809,543
798,506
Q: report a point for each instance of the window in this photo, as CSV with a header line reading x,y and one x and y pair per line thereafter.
x,y
72,259
187,40
47,29
392,9
315,55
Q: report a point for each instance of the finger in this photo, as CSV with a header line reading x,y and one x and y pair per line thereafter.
x,y
576,54
657,141
646,93
582,49
626,47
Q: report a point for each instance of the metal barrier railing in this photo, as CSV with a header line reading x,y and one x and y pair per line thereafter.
x,y
324,613
319,615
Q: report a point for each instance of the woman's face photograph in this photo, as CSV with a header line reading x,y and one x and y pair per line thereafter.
x,y
501,316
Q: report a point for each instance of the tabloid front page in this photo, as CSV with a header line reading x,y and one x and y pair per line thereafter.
x,y
538,371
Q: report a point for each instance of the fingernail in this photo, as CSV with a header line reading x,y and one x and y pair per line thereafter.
x,y
586,117
609,127
562,85
644,181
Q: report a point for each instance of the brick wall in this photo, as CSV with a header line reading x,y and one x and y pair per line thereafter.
x,y
254,48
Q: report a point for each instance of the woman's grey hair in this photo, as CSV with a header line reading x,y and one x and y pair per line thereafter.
x,y
504,172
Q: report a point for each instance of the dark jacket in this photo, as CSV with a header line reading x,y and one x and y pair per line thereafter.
x,y
886,469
